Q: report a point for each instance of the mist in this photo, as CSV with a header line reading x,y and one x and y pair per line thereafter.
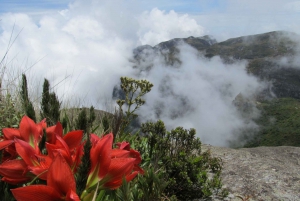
x,y
85,48
199,94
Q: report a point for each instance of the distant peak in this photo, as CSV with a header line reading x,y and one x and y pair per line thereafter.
x,y
210,39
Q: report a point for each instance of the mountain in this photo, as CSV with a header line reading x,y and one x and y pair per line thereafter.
x,y
261,173
272,44
271,57
170,48
263,53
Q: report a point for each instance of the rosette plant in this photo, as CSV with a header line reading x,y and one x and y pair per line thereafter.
x,y
49,174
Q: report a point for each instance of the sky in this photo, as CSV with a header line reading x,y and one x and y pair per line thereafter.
x,y
31,6
83,47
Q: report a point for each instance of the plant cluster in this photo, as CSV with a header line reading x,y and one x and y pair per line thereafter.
x,y
178,152
52,176
279,123
9,115
50,105
43,162
175,168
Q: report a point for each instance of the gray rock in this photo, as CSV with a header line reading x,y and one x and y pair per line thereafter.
x,y
262,173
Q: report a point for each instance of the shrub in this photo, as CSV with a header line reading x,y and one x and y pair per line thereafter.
x,y
26,103
50,105
175,168
187,169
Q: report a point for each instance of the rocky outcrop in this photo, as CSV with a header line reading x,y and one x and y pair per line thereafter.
x,y
261,173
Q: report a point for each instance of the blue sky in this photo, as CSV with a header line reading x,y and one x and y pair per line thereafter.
x,y
31,5
181,6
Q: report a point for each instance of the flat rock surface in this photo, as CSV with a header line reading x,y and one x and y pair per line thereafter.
x,y
261,173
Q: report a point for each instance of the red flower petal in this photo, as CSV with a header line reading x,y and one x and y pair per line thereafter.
x,y
76,157
73,139
94,139
11,133
59,146
53,153
15,181
72,196
119,168
120,153
117,183
14,171
138,169
123,145
135,154
54,131
60,176
9,153
36,193
5,143
100,154
41,126
42,168
28,130
26,152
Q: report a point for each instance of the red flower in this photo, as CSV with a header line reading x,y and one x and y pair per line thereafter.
x,y
53,131
37,164
28,131
128,152
69,146
15,172
31,132
60,185
123,145
119,168
109,166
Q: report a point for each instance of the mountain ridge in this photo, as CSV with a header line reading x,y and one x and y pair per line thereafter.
x,y
270,170
271,57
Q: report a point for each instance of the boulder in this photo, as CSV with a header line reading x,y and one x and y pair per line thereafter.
x,y
261,173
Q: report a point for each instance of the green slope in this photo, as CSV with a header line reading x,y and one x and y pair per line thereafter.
x,y
279,122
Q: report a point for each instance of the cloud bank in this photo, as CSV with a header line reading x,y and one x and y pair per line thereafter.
x,y
199,94
84,49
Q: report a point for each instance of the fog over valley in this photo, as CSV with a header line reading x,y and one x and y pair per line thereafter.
x,y
203,79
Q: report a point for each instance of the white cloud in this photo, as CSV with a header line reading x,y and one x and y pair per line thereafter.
x,y
157,26
90,43
199,94
84,28
70,47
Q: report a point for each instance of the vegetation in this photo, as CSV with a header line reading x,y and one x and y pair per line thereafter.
x,y
26,103
279,123
173,164
175,168
178,152
134,90
50,105
10,115
265,45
